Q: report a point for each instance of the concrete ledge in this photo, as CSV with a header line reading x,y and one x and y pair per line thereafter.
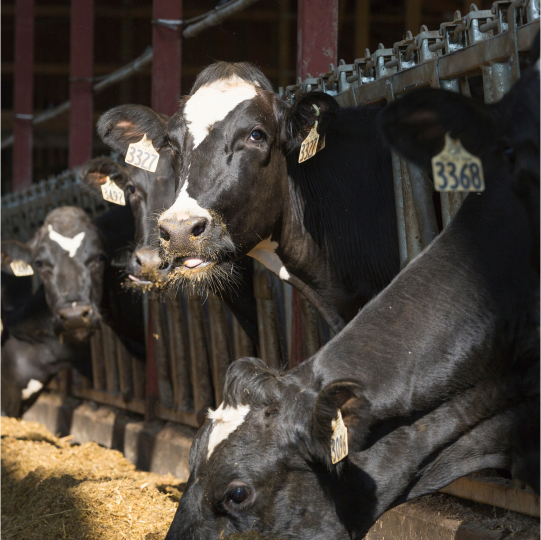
x,y
54,412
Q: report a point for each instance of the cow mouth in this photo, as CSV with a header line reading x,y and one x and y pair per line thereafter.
x,y
191,263
78,335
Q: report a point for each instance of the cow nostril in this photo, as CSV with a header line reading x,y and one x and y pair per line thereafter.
x,y
164,235
85,314
199,228
63,317
138,261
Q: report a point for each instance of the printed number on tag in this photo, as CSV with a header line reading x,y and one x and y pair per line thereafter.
x,y
20,268
339,440
142,154
455,169
112,193
309,146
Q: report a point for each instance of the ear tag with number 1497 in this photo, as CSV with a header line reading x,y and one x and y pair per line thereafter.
x,y
455,169
112,193
142,154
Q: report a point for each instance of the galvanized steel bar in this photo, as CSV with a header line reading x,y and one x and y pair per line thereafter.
x,y
423,190
413,235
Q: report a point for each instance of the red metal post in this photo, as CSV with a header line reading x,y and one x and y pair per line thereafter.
x,y
81,62
166,70
317,36
24,94
166,60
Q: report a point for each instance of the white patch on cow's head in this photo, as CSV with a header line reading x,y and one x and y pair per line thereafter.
x,y
70,245
225,420
265,253
32,387
185,207
213,102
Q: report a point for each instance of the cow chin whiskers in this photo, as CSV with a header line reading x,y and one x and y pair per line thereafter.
x,y
216,277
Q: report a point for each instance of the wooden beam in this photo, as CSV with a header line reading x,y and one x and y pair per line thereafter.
x,y
317,36
81,98
362,27
24,94
414,9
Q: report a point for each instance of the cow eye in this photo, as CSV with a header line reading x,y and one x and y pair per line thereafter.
x,y
257,135
131,189
38,263
238,493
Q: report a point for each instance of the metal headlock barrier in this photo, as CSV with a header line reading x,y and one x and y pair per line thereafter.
x,y
195,338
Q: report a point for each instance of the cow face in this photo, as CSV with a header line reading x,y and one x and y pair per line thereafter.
x,y
149,194
227,145
262,461
68,255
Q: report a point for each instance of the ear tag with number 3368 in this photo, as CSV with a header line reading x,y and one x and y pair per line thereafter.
x,y
142,154
455,169
112,193
339,439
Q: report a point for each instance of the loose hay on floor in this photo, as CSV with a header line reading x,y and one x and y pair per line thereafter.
x,y
56,491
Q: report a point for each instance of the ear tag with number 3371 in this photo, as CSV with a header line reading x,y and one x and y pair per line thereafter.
x,y
339,439
142,154
21,268
455,169
112,193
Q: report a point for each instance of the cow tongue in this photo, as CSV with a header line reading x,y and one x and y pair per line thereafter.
x,y
192,263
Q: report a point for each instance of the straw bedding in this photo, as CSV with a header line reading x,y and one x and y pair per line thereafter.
x,y
56,491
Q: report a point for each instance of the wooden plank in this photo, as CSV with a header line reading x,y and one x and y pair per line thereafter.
x,y
98,365
109,355
105,398
362,27
81,63
23,94
496,492
182,417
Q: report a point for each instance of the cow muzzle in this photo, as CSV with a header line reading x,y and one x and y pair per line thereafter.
x,y
76,322
147,268
184,241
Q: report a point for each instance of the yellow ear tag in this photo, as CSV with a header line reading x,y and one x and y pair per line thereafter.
x,y
20,268
455,169
339,440
142,154
309,145
112,193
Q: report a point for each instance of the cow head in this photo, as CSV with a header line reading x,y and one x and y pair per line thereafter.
x,y
149,194
262,461
68,255
227,144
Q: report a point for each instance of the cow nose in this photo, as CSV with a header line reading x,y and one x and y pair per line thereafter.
x,y
179,231
147,258
76,316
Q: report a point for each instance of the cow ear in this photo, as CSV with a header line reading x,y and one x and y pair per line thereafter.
x,y
346,396
12,250
126,124
415,125
94,173
302,116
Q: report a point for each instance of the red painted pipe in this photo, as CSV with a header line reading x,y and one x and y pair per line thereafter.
x,y
24,94
317,36
81,63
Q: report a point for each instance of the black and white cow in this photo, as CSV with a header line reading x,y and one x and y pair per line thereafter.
x,y
32,354
149,194
435,378
326,226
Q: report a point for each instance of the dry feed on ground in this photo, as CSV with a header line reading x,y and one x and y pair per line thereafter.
x,y
51,490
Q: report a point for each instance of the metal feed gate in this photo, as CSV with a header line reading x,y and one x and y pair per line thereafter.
x,y
195,340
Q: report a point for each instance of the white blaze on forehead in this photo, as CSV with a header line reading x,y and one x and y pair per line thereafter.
x,y
225,420
68,244
265,253
213,102
32,387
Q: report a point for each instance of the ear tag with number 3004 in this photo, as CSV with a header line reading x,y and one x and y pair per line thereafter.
x,y
455,169
20,268
339,439
112,193
142,154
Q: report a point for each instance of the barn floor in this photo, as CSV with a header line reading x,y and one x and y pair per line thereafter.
x,y
53,490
